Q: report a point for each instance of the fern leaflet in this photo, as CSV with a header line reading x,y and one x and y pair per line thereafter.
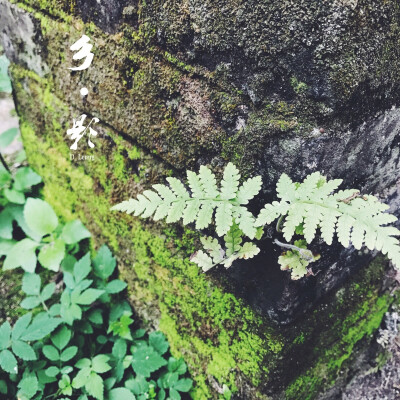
x,y
175,202
360,220
214,254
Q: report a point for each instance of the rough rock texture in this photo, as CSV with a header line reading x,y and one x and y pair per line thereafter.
x,y
290,86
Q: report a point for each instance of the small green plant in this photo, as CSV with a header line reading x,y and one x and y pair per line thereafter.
x,y
81,343
303,209
75,339
46,241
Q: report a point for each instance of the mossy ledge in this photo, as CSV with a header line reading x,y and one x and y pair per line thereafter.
x,y
222,339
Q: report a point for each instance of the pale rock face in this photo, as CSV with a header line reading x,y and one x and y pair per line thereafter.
x,y
17,37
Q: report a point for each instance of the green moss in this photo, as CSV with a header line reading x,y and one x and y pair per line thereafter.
x,y
195,315
220,337
175,61
298,86
355,327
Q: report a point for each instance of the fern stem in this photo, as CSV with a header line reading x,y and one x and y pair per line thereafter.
x,y
279,223
304,253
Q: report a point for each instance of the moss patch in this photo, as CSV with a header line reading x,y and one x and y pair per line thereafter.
x,y
222,340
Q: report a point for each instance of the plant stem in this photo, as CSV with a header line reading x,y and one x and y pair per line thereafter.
x,y
4,163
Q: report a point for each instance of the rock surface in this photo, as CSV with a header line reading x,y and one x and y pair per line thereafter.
x,y
292,86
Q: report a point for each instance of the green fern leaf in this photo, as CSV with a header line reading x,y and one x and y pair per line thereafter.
x,y
178,188
205,214
203,260
208,182
195,185
249,189
357,219
213,248
233,239
191,210
292,261
298,260
248,250
213,254
246,221
223,218
174,202
230,183
272,211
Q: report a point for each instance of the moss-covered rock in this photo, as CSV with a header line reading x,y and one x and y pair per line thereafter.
x,y
173,89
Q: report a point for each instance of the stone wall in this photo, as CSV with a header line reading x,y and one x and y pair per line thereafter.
x,y
291,86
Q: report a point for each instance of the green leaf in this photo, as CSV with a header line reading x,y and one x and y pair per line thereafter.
x,y
30,302
100,364
89,296
52,371
95,386
119,349
20,326
61,338
68,263
146,360
51,255
69,353
138,385
174,395
40,217
178,366
5,83
3,387
183,385
203,260
82,268
81,378
18,214
48,291
74,232
6,246
248,250
51,353
22,255
5,335
104,263
14,196
83,363
223,218
28,386
120,394
96,317
23,350
41,326
230,182
115,286
159,342
8,362
6,224
25,178
31,284
71,313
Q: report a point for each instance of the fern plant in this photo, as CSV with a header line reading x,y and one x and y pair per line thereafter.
x,y
304,209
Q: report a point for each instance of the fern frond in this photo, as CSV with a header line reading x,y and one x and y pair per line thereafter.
x,y
357,219
298,260
213,254
249,189
175,202
233,240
